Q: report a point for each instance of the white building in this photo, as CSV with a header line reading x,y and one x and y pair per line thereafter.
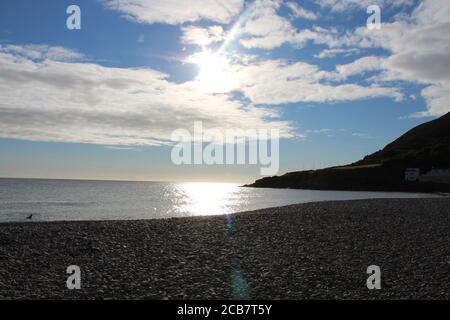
x,y
438,173
412,174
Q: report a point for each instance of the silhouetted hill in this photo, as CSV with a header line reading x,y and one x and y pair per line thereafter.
x,y
425,146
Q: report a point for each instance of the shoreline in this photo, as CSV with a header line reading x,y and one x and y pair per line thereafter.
x,y
316,250
434,195
423,189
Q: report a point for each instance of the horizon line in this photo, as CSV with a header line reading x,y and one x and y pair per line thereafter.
x,y
113,180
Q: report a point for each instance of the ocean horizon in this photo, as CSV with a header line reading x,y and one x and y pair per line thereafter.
x,y
96,200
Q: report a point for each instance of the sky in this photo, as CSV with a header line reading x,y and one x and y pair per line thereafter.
x,y
102,102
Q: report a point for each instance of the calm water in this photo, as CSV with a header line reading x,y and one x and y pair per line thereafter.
x,y
50,200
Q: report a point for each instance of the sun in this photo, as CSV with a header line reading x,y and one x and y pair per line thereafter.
x,y
214,74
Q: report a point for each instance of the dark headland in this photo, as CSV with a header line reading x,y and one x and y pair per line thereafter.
x,y
307,251
425,147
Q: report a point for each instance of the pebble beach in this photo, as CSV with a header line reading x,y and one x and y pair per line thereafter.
x,y
309,251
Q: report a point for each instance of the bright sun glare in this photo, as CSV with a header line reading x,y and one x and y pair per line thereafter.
x,y
215,72
208,198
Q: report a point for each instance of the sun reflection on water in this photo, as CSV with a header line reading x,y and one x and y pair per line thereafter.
x,y
211,199
208,198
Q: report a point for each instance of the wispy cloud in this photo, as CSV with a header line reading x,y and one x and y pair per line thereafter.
x,y
300,12
341,5
41,52
202,36
331,53
174,12
362,135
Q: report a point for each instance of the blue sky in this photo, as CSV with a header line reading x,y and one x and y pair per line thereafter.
x,y
101,102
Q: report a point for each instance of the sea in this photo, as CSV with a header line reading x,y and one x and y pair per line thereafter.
x,y
73,200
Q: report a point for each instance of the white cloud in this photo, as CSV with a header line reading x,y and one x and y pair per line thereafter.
x,y
300,12
438,98
419,48
317,131
359,66
176,12
266,29
42,52
362,135
88,103
331,53
277,82
202,36
341,5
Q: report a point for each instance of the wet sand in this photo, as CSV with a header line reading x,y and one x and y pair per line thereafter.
x,y
307,251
